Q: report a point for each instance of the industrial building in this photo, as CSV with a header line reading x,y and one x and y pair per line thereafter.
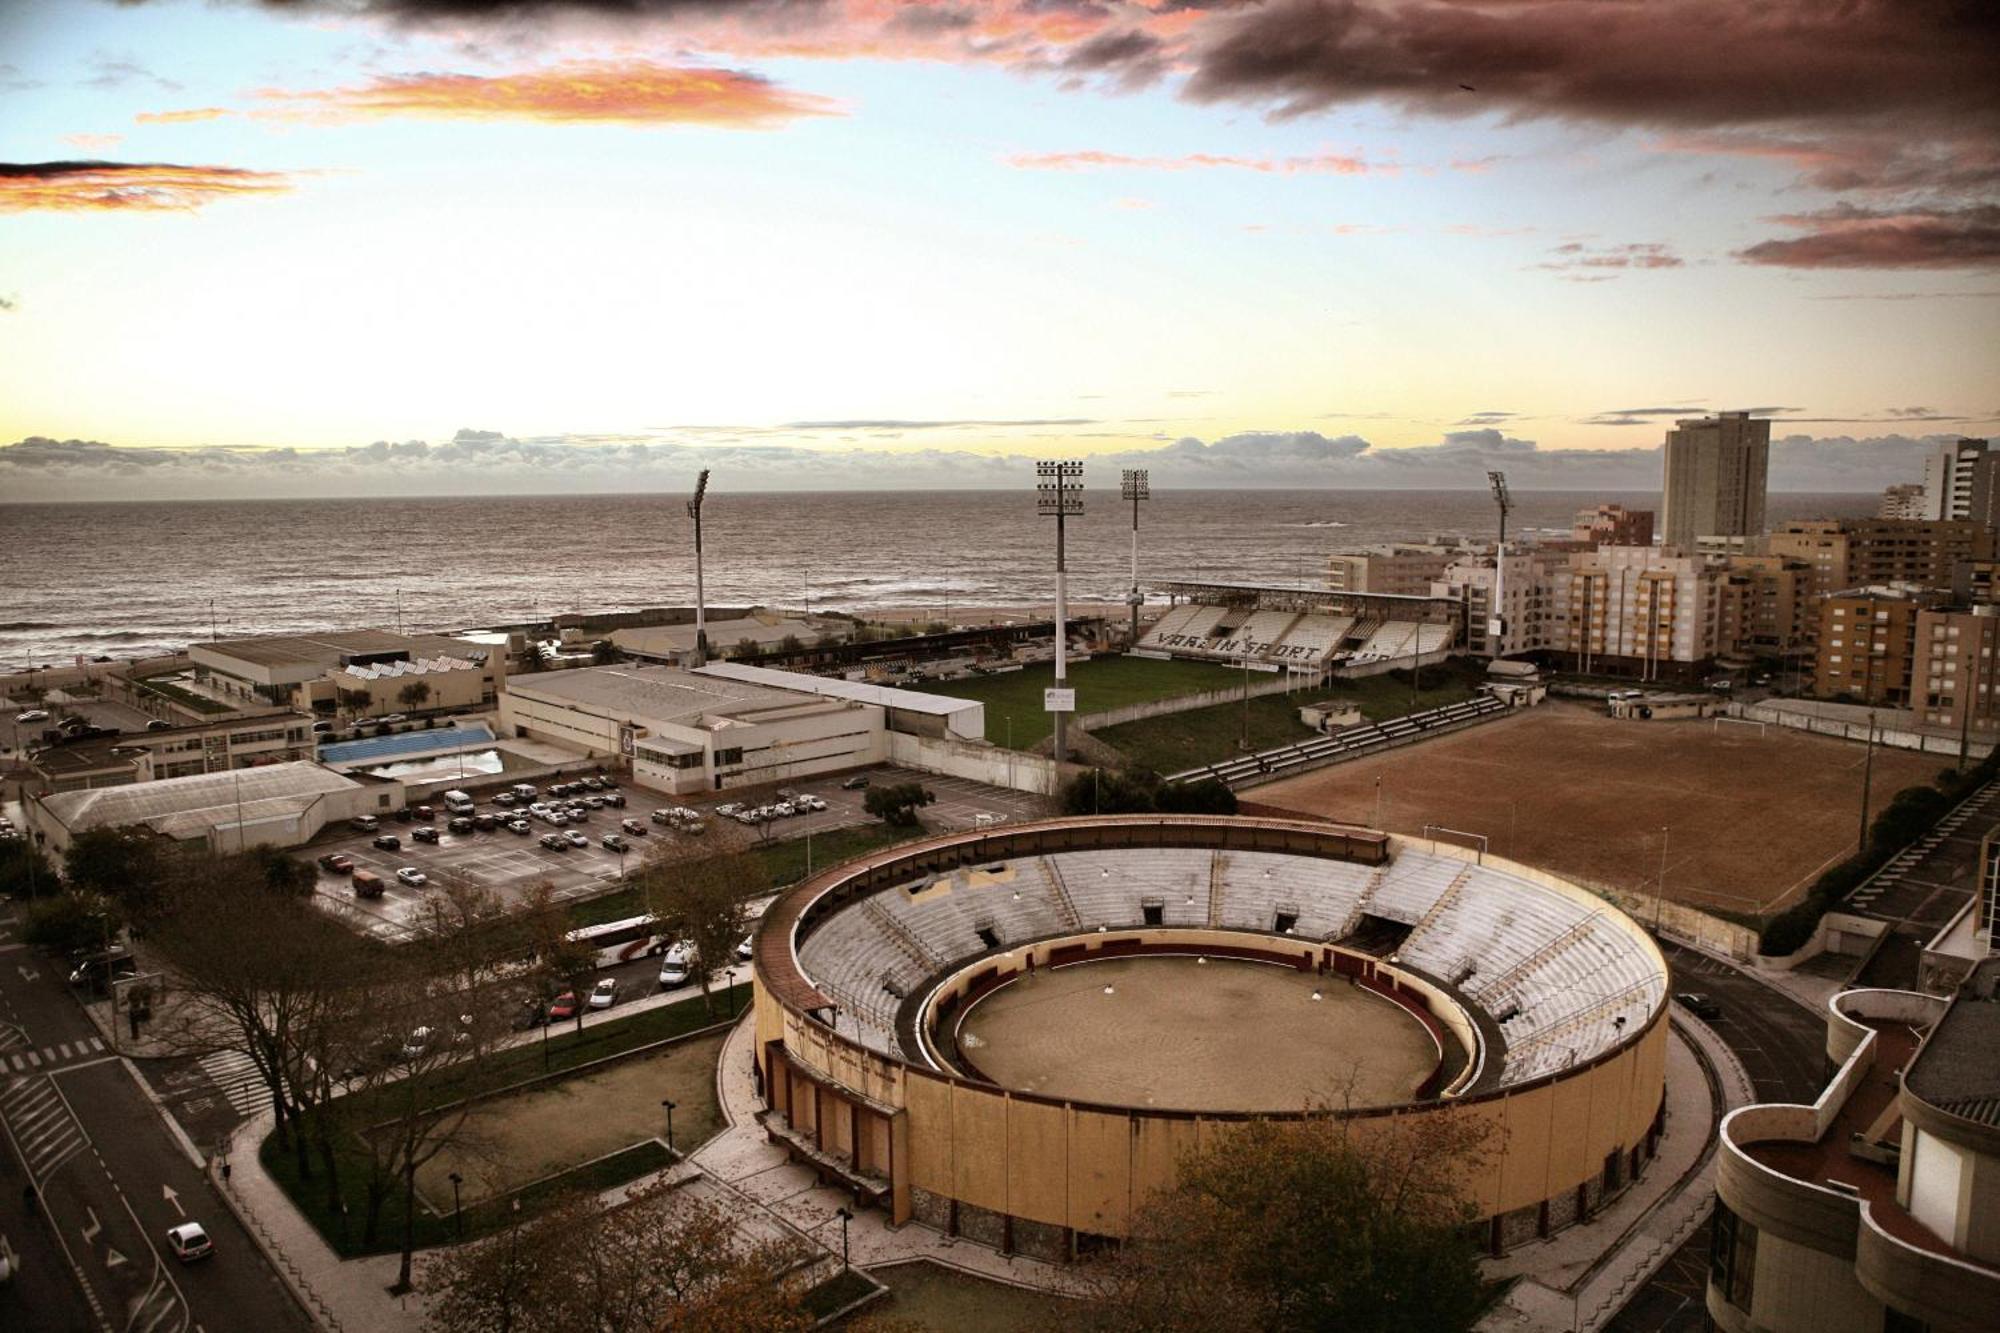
x,y
359,673
177,752
278,805
723,725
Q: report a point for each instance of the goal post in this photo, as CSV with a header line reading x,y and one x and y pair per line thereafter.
x,y
1475,842
1716,728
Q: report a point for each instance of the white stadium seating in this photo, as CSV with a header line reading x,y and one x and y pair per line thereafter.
x,y
1563,978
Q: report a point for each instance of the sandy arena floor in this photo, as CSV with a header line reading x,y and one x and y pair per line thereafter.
x,y
1226,1035
1751,819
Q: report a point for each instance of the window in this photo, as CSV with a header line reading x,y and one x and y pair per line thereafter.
x,y
733,755
1732,1257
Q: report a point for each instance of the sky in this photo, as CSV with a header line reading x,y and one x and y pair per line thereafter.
x,y
282,247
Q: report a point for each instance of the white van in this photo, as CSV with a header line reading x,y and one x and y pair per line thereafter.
x,y
676,965
457,803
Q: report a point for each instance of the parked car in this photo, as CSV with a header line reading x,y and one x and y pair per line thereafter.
x,y
555,842
412,877
33,715
389,842
615,799
364,823
159,724
486,823
814,802
424,834
504,800
388,718
529,1014
405,815
565,1006
634,827
338,862
676,965
855,783
729,808
612,842
520,826
593,802
575,839
605,993
745,947
189,1242
1699,1004
595,784
660,817
321,728
367,884
425,812
459,824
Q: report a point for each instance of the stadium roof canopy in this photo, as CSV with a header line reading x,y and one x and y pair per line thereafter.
x,y
860,691
189,807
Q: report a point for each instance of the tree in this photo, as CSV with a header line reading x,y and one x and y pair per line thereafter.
x,y
791,643
282,873
1209,796
1138,791
561,963
1305,1225
414,695
125,865
745,647
354,702
24,871
898,803
605,653
702,903
661,1262
69,923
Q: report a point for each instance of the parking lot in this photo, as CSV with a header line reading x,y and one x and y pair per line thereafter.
x,y
511,864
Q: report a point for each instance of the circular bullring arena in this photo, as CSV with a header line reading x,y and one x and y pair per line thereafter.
x,y
1013,1034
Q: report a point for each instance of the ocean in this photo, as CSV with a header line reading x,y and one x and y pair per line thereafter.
x,y
129,580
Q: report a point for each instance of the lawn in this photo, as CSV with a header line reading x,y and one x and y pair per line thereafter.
x,y
1013,699
566,1048
1206,735
784,864
930,1296
167,689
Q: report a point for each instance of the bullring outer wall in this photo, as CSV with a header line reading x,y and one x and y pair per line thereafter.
x,y
1042,1176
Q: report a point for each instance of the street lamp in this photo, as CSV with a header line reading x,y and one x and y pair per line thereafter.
x,y
729,984
1059,494
457,1212
845,1217
1496,629
700,607
1135,487
669,1105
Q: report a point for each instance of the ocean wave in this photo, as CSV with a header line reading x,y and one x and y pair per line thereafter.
x,y
1315,523
8,625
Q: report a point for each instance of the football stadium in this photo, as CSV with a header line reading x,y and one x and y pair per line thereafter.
x,y
1014,1034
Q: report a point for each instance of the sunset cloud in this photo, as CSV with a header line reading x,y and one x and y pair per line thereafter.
x,y
93,143
1331,164
1599,263
1849,237
629,93
183,116
127,186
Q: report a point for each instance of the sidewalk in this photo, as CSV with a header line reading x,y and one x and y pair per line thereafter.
x,y
1579,1278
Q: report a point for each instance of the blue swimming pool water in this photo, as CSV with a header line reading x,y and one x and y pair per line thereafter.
x,y
403,743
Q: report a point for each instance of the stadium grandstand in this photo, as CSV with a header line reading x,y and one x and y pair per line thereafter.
x,y
1310,630
1452,983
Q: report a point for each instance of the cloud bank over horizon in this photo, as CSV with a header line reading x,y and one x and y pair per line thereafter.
x,y
484,462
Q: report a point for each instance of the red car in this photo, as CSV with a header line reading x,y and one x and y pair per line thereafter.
x,y
339,863
565,1007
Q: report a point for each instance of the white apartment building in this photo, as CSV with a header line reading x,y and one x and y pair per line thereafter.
x,y
1959,482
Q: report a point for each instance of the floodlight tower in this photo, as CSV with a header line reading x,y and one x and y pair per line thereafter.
x,y
1496,628
1134,487
700,603
1059,492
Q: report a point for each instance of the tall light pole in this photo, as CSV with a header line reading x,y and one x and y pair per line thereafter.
x,y
1059,492
1496,628
1135,487
700,603
845,1217
669,1104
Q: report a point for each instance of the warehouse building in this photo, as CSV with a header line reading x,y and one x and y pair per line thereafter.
x,y
363,673
278,805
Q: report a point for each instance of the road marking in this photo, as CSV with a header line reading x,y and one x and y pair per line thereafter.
x,y
26,975
90,1232
168,1193
113,1259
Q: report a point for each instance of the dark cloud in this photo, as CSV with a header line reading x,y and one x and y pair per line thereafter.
x,y
10,302
1486,418
110,72
1135,58
1660,62
13,81
1850,237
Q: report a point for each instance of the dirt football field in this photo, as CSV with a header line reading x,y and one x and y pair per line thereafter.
x,y
1750,820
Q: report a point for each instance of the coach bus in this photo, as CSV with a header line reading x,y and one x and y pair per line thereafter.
x,y
621,941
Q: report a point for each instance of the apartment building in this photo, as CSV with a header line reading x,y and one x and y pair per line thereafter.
x,y
1768,607
1866,649
1904,500
1857,552
1612,525
1405,570
1521,600
1960,481
1651,613
1952,668
1717,469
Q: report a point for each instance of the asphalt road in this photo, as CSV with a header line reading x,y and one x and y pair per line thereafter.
x,y
111,1179
1782,1045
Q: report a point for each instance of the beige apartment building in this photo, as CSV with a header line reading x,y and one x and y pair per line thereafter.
x,y
1952,668
1654,614
1768,608
1405,570
1717,469
1866,643
1857,552
1612,525
1523,599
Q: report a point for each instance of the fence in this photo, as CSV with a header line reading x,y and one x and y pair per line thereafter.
x,y
990,764
1184,703
1820,724
315,1306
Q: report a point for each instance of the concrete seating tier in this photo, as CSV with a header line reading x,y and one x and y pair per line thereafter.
x,y
1562,977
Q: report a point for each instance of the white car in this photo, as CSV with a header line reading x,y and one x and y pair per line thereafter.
x,y
744,948
605,993
189,1242
676,965
33,715
576,839
412,876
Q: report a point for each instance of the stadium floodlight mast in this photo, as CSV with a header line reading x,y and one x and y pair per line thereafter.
x,y
1496,628
1135,487
1059,493
700,603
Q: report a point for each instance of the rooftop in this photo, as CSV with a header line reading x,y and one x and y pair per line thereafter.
x,y
1958,1070
655,693
883,696
721,634
330,648
182,807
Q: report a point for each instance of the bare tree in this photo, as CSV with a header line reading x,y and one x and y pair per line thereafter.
x,y
702,903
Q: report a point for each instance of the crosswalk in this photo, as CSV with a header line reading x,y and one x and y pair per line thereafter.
x,y
40,1122
20,1057
235,1076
